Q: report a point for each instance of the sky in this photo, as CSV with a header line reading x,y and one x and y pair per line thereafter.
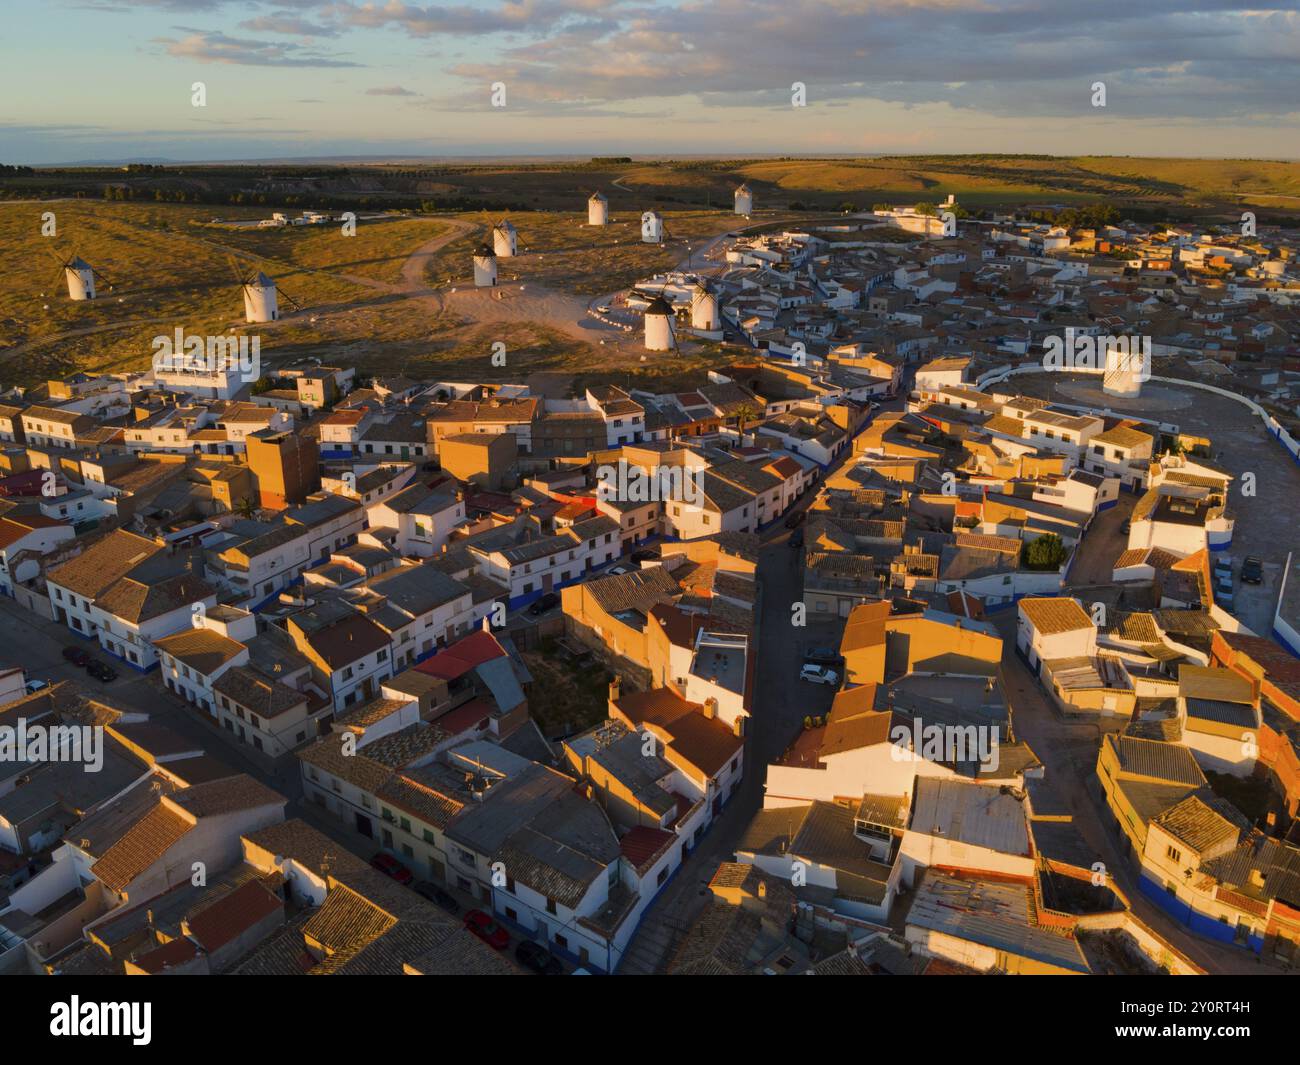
x,y
114,80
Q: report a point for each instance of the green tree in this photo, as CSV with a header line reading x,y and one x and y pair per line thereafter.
x,y
1045,553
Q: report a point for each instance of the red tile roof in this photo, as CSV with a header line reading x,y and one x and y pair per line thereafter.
x,y
462,656
643,844
233,915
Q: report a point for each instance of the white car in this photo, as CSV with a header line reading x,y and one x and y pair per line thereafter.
x,y
819,674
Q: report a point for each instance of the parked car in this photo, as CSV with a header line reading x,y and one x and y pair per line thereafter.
x,y
819,674
76,655
1252,571
617,571
483,926
544,604
823,656
1223,566
644,555
796,538
437,896
101,671
33,686
1127,527
536,957
391,867
796,519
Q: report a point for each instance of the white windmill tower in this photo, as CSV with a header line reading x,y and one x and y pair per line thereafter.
x,y
744,201
652,228
597,210
704,309
485,267
1128,364
260,301
505,239
80,277
659,325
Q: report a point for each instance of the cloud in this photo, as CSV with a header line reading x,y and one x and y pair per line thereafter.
x,y
391,90
289,26
212,46
1160,58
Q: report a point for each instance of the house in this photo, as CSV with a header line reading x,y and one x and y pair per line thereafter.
x,y
1052,629
990,926
416,521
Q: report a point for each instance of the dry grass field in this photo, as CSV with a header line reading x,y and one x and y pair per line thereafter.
x,y
398,296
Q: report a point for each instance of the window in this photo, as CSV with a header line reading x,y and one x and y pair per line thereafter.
x,y
550,905
1173,854
560,941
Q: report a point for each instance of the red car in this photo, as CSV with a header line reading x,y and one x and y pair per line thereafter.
x,y
76,655
390,866
483,926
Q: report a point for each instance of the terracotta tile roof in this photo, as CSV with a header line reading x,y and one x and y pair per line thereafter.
x,y
204,650
227,795
143,844
139,600
232,915
103,562
256,691
1051,616
169,955
346,919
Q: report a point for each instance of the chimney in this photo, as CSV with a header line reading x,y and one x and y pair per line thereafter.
x,y
710,708
615,688
762,889
1256,878
738,726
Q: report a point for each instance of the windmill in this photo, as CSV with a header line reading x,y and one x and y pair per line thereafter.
x,y
261,294
704,308
485,266
653,230
744,201
505,237
659,319
597,209
80,276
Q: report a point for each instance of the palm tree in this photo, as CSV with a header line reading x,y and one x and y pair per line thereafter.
x,y
246,508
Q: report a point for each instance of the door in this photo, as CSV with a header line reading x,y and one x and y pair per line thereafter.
x,y
363,826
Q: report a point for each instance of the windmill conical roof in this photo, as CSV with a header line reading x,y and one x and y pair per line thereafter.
x,y
260,280
78,263
659,305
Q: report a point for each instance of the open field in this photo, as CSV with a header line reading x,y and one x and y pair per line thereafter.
x,y
398,296
164,272
563,252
